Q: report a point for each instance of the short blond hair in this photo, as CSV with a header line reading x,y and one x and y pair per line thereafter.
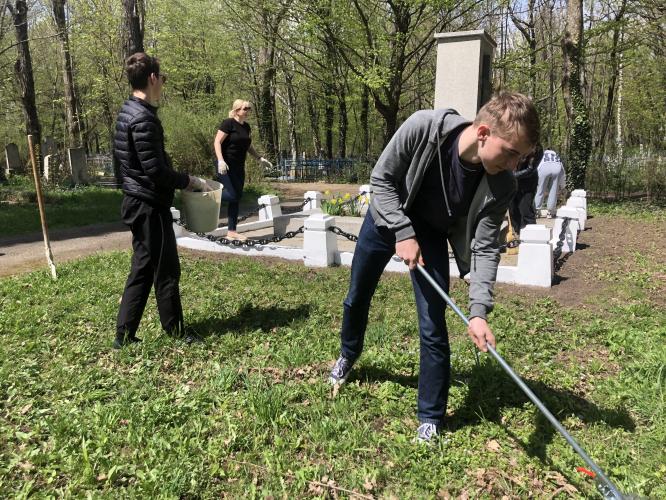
x,y
510,113
236,107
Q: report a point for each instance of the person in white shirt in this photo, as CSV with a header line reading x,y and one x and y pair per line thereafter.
x,y
552,178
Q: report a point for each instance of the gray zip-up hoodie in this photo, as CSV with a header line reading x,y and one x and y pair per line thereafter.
x,y
397,177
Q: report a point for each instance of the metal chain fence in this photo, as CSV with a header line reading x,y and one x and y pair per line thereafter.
x,y
557,253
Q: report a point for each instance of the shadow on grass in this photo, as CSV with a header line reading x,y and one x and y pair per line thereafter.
x,y
490,390
369,374
250,318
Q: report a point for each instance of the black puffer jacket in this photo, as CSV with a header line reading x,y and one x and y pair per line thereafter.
x,y
138,144
526,174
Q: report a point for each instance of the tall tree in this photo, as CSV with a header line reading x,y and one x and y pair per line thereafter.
x,y
615,69
580,137
527,28
23,72
133,26
71,106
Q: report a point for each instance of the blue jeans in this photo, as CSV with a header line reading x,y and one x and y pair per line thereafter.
x,y
374,249
233,182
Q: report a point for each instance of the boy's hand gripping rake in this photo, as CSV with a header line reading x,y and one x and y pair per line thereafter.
x,y
604,485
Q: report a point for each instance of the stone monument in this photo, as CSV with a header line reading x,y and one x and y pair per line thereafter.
x,y
463,80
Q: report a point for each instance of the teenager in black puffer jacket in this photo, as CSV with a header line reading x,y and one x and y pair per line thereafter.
x,y
148,184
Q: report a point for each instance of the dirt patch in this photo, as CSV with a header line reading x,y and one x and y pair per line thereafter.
x,y
609,245
292,191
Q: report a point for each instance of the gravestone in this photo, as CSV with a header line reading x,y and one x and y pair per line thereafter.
x,y
463,79
48,146
78,166
13,160
51,167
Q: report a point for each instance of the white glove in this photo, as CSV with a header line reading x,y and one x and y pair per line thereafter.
x,y
265,162
198,184
222,167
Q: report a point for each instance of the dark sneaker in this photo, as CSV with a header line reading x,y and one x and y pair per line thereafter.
x,y
191,338
426,433
120,341
340,371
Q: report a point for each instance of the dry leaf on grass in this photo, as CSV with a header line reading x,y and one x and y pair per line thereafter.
x,y
493,445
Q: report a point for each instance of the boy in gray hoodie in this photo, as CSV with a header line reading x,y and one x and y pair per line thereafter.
x,y
440,178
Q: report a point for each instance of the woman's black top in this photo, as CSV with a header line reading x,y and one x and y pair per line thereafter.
x,y
237,142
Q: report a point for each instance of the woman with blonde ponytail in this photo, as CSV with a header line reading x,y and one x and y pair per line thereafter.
x,y
232,143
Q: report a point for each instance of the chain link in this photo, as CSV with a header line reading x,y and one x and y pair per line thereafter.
x,y
560,242
221,240
340,232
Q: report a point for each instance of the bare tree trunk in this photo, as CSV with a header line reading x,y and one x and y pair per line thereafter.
x,y
133,24
23,73
365,133
580,139
71,107
343,122
614,69
291,111
527,29
314,125
329,114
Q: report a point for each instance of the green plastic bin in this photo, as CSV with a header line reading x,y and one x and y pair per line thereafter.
x,y
202,208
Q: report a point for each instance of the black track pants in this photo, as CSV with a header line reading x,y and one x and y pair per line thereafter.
x,y
154,262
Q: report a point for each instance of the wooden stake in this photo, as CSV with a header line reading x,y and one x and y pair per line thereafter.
x,y
42,213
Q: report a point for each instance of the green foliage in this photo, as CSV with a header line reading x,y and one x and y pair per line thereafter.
x,y
249,414
189,141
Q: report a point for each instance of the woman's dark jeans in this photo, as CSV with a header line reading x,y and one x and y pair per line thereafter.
x,y
233,182
374,249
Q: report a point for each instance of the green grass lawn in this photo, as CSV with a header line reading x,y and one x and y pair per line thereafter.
x,y
248,413
68,207
64,207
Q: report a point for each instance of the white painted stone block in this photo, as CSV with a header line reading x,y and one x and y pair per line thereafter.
x,y
580,193
271,207
579,205
177,230
535,257
315,198
320,246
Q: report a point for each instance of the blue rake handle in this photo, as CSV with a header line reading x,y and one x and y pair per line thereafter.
x,y
605,486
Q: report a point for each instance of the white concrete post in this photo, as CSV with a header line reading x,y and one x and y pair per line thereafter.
x,y
48,166
571,233
580,193
315,200
535,256
366,191
320,245
178,230
579,205
271,207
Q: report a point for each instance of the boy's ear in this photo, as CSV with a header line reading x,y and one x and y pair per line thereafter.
x,y
482,132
